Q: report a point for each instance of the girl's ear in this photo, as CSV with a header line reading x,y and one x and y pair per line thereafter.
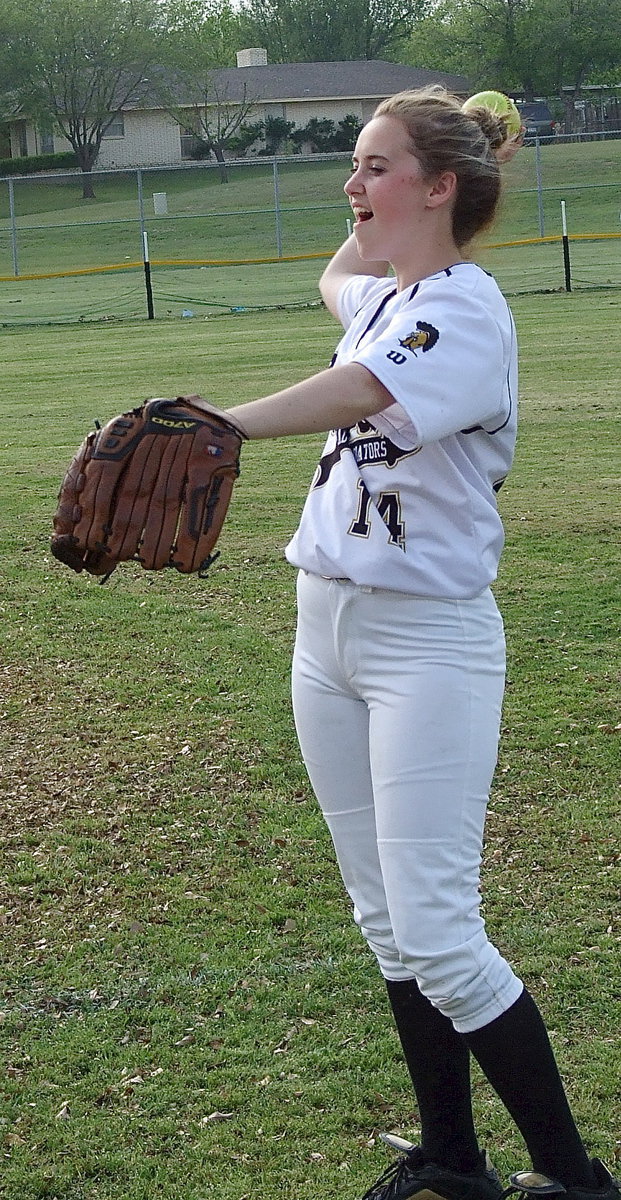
x,y
442,190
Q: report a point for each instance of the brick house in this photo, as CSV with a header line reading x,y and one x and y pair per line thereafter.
x,y
145,135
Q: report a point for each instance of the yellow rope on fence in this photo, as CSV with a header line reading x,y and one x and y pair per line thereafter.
x,y
553,237
167,262
76,271
247,262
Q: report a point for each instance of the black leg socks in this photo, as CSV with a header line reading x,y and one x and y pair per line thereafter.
x,y
438,1061
515,1054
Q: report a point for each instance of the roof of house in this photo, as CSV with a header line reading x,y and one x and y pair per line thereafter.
x,y
370,79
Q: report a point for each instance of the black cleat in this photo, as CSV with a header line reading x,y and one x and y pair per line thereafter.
x,y
531,1185
410,1175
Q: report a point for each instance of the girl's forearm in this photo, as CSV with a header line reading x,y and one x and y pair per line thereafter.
x,y
345,263
332,399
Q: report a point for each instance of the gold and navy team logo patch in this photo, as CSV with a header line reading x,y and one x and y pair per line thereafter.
x,y
422,338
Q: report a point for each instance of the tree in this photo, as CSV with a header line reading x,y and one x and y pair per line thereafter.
x,y
490,42
86,59
322,31
200,35
214,122
587,43
15,57
530,47
200,38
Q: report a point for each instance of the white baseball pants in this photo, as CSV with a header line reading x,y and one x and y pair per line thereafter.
x,y
397,703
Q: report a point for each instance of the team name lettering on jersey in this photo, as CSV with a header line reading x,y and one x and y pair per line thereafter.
x,y
368,446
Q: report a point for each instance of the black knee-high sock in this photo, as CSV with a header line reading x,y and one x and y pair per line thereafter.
x,y
515,1054
438,1061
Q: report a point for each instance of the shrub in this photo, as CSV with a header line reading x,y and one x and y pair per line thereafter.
x,y
201,149
347,132
245,137
277,132
32,164
320,134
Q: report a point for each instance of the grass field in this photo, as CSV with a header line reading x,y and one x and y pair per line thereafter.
x,y
186,1010
58,231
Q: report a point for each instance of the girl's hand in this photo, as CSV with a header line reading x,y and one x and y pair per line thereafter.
x,y
509,149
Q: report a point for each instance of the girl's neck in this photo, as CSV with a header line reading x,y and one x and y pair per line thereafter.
x,y
430,262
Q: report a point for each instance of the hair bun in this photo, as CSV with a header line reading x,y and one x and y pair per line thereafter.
x,y
493,126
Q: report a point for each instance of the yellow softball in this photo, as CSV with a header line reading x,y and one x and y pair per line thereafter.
x,y
500,104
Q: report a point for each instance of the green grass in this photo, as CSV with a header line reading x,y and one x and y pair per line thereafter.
x,y
584,174
57,229
187,1011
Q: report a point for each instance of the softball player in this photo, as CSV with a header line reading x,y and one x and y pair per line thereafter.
x,y
399,660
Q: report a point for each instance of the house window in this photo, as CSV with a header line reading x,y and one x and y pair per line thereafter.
x,y
46,141
22,139
275,110
190,143
116,128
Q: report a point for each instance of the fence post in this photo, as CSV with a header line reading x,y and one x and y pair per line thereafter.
x,y
147,276
277,209
13,227
566,260
539,187
143,227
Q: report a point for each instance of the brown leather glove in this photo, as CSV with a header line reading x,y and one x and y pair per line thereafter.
x,y
153,486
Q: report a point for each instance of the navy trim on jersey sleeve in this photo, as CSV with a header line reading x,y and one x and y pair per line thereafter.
x,y
509,392
378,312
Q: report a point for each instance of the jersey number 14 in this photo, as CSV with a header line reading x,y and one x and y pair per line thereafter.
x,y
388,505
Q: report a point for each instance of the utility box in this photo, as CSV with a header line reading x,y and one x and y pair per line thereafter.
x,y
160,204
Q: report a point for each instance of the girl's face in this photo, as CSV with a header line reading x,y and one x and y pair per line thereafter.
x,y
390,197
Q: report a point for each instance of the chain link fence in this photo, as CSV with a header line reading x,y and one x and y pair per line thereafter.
x,y
249,236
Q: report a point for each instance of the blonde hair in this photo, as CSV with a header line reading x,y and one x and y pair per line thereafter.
x,y
445,138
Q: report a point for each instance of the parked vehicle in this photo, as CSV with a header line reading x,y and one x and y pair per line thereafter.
x,y
537,119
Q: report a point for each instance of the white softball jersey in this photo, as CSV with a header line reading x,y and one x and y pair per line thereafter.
x,y
407,500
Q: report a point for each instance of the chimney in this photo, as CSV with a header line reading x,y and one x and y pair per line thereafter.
x,y
255,57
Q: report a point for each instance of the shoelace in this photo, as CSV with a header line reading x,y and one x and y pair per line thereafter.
x,y
394,1175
